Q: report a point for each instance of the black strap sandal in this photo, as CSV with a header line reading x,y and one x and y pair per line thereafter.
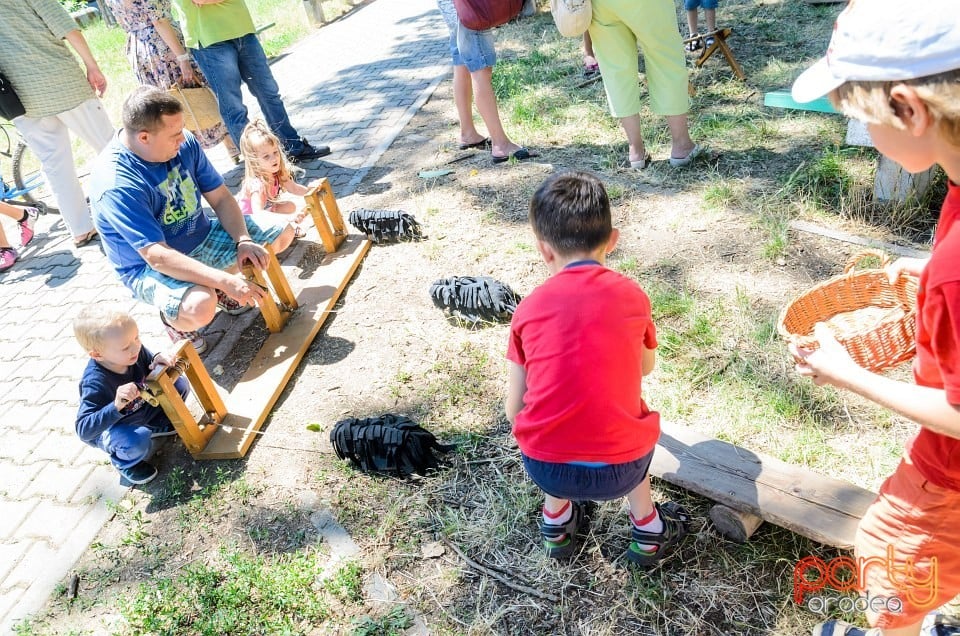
x,y
675,518
695,43
560,542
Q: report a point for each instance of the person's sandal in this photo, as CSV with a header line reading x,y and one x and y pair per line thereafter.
x,y
675,518
695,43
85,239
642,164
560,542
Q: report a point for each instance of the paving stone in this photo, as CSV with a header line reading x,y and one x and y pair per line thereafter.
x,y
50,522
8,601
13,512
38,556
57,482
19,445
102,482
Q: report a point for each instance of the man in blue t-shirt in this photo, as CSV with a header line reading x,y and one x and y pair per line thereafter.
x,y
145,194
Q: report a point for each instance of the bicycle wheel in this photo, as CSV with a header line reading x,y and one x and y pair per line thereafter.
x,y
27,176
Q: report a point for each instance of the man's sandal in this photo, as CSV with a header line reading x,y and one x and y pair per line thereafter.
x,y
675,518
560,542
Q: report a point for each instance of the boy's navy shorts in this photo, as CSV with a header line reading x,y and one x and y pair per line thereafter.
x,y
587,483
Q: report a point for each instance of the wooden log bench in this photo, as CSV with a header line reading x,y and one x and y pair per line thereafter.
x,y
892,182
751,487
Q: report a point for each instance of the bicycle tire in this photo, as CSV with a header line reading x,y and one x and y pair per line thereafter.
x,y
24,161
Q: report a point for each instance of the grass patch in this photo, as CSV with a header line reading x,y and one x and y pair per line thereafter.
x,y
240,595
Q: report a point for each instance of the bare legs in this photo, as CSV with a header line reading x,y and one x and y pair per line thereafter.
x,y
477,87
641,503
589,59
199,304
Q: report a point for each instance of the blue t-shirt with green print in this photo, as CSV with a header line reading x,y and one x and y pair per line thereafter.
x,y
136,203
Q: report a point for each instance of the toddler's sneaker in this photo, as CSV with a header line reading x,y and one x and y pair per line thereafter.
x,y
674,518
27,225
560,541
139,474
229,305
193,336
8,256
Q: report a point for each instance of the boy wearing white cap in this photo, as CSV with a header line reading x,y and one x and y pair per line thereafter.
x,y
896,66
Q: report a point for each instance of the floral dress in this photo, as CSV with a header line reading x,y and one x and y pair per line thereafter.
x,y
152,60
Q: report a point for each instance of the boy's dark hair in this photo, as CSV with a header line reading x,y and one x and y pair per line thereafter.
x,y
144,108
571,212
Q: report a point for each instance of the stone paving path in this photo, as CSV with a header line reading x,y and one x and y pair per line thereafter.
x,y
352,85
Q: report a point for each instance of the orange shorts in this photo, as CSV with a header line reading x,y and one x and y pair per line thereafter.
x,y
908,545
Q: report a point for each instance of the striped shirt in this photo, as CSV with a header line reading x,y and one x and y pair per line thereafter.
x,y
44,73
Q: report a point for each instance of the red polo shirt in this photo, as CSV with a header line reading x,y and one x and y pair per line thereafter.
x,y
579,336
937,364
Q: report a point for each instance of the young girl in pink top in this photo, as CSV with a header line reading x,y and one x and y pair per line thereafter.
x,y
267,175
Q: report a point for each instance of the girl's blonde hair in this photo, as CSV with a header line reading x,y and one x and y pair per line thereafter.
x,y
95,324
255,135
870,102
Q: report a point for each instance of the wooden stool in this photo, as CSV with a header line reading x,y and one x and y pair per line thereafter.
x,y
719,42
322,206
280,301
160,391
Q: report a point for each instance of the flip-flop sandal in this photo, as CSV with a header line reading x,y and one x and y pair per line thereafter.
x,y
483,144
560,542
299,232
520,155
675,518
643,164
589,70
686,161
85,239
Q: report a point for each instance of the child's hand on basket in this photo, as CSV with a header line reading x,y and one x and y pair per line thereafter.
x,y
830,364
901,266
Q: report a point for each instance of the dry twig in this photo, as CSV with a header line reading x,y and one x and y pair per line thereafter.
x,y
519,587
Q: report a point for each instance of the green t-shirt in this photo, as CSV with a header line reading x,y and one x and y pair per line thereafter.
x,y
211,23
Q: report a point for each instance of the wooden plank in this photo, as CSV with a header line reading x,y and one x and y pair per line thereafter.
x,y
258,390
815,506
803,226
783,99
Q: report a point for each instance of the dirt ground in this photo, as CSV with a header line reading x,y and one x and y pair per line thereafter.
x,y
388,349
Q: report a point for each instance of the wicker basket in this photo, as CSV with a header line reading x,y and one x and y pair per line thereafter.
x,y
200,108
874,320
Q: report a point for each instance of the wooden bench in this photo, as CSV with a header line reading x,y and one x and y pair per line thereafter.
x,y
750,488
230,420
892,182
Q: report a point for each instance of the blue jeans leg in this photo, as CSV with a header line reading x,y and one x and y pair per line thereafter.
x,y
220,65
127,445
259,78
225,65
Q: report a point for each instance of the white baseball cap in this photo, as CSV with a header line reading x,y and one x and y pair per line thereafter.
x,y
885,40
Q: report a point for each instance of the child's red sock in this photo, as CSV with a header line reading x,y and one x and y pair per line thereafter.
x,y
651,523
558,518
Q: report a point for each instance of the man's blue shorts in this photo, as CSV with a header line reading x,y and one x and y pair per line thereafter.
x,y
586,482
690,5
217,250
473,49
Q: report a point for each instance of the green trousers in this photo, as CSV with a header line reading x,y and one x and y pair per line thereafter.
x,y
617,28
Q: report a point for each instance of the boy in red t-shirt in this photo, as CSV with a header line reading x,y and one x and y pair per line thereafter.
x,y
579,346
896,66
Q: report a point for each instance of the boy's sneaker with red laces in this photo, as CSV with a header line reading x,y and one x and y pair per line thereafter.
x,y
8,256
27,225
229,305
193,336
